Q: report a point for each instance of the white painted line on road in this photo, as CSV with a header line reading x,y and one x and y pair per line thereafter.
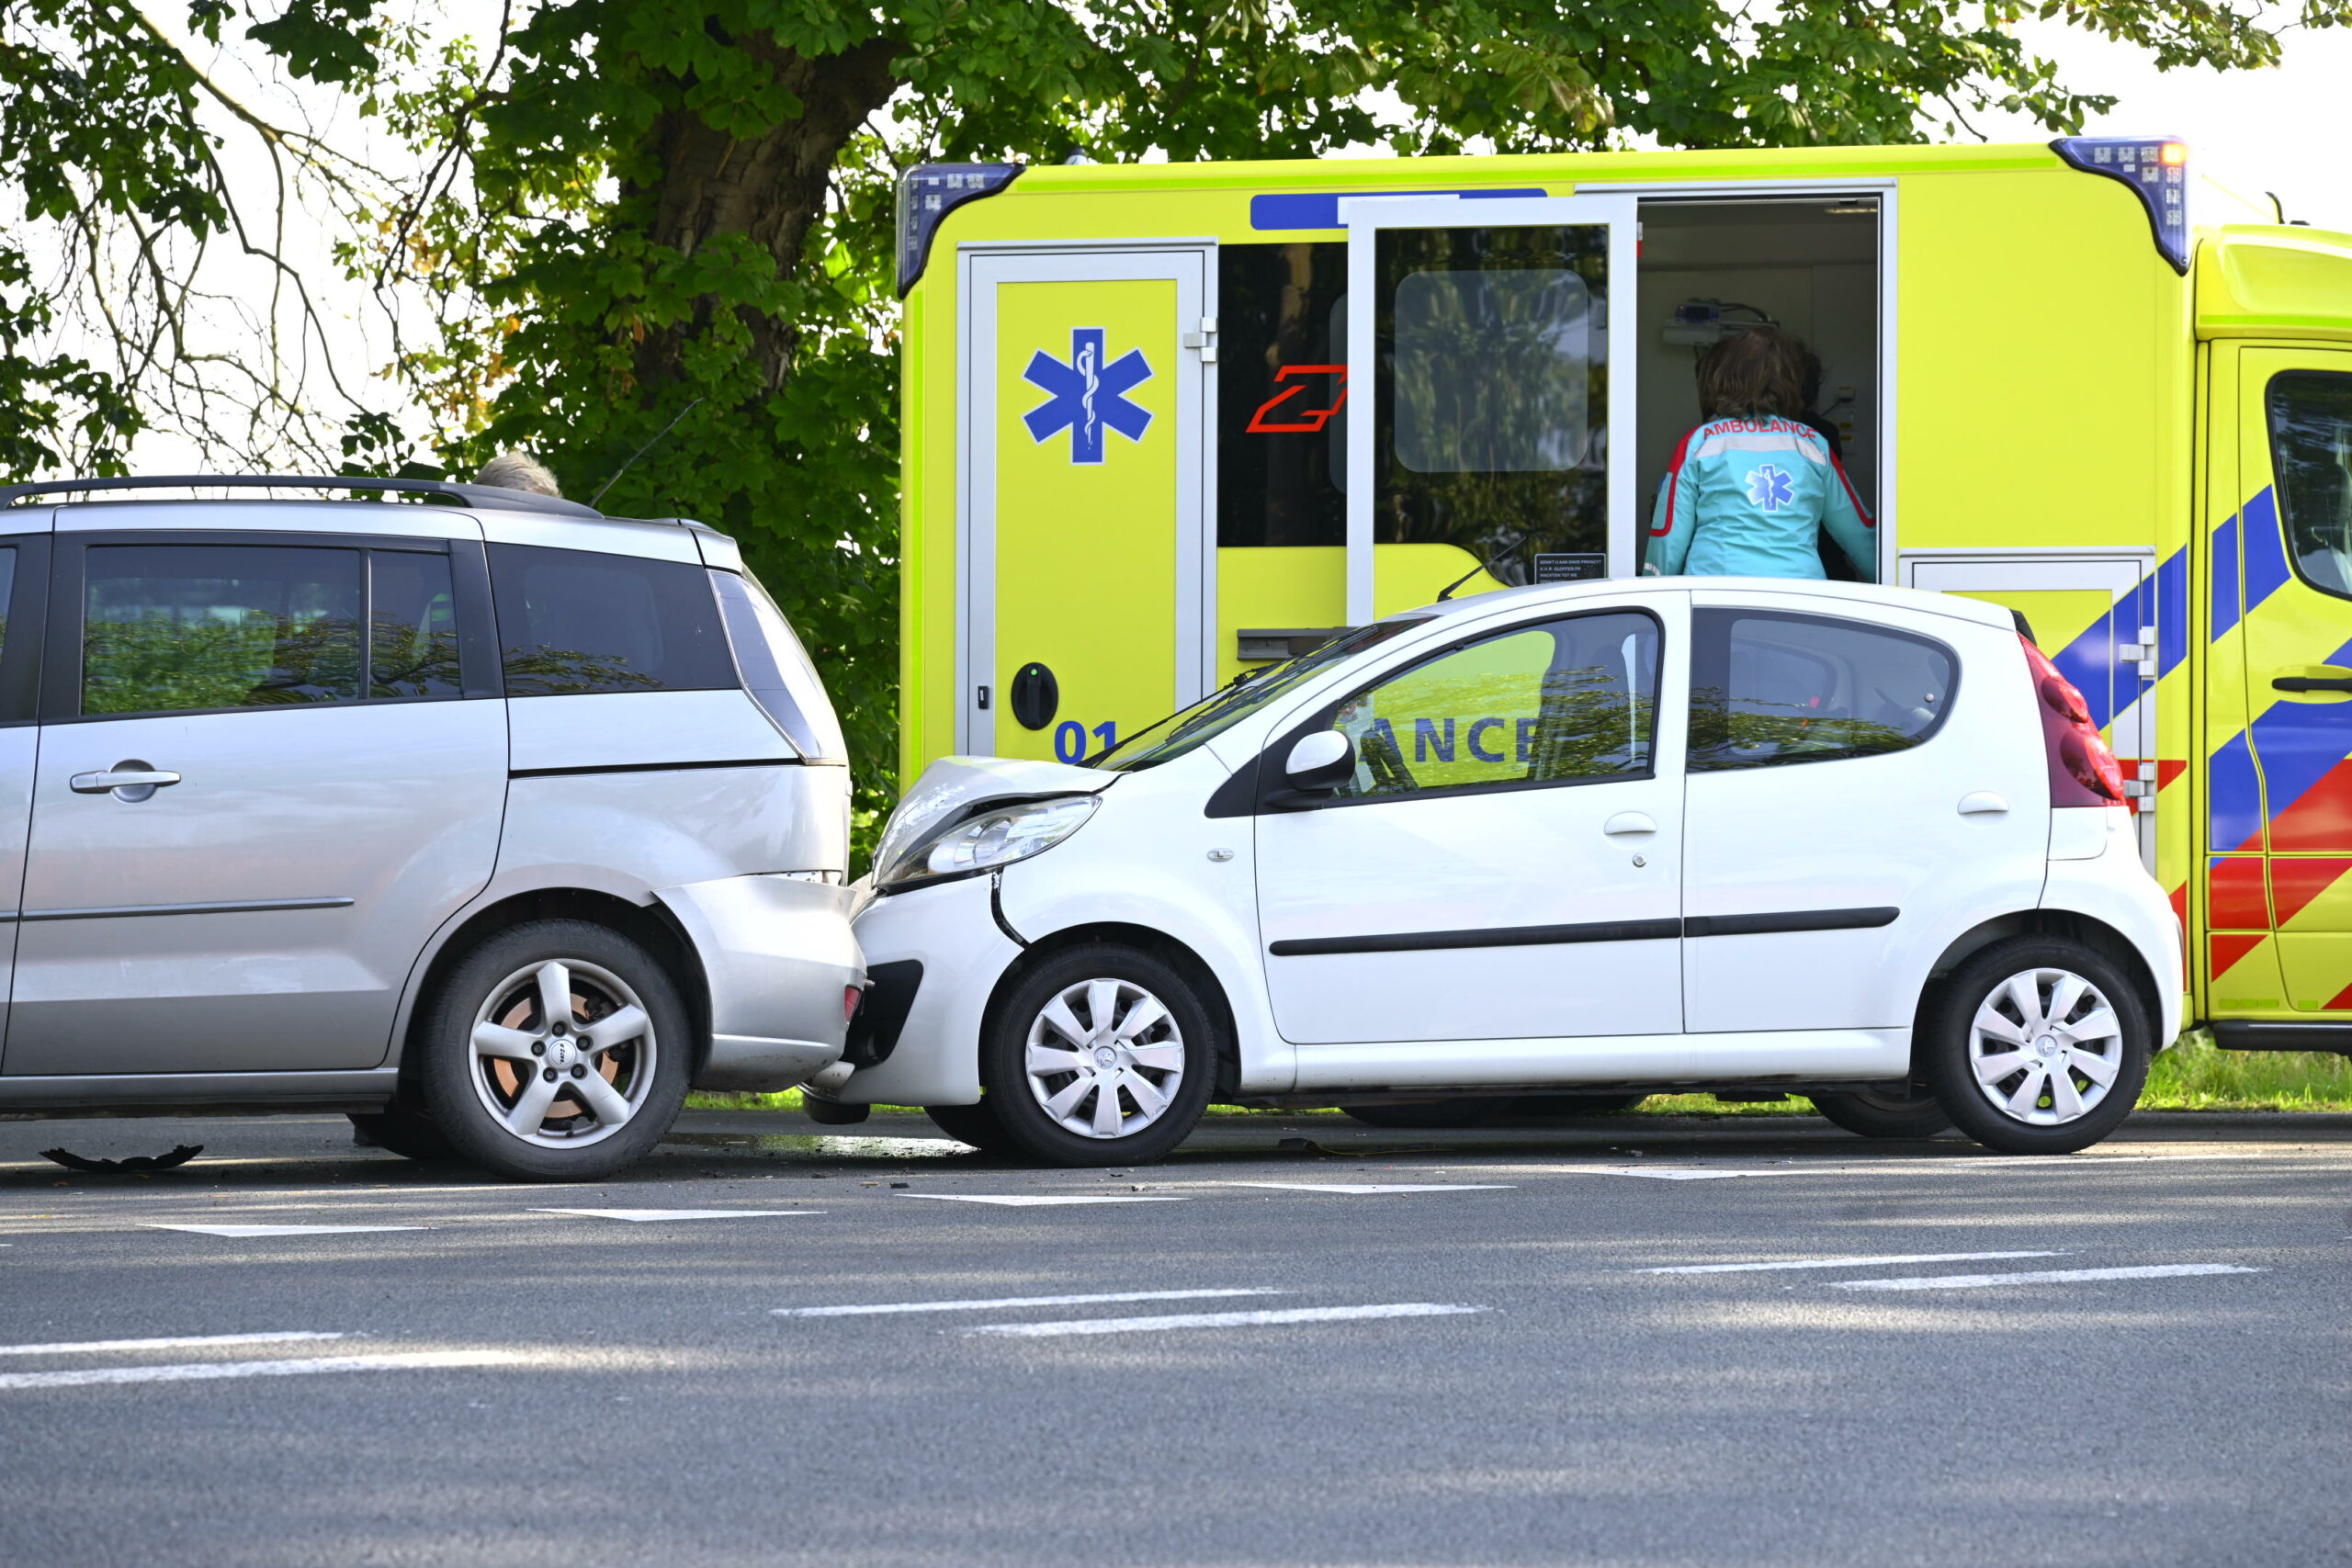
x,y
1844,1262
1377,1186
1011,1301
2043,1277
1220,1319
284,1230
1016,1200
640,1216
178,1342
202,1372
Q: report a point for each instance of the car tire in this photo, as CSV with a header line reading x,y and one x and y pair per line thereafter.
x,y
405,1132
504,1075
1463,1110
1896,1112
973,1124
1045,1072
2011,1014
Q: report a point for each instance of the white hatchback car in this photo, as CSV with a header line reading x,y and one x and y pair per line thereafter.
x,y
1604,838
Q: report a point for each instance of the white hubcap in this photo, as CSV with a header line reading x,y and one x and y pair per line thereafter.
x,y
2045,1047
563,1054
1104,1058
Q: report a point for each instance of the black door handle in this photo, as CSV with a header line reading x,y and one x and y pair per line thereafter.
x,y
2311,683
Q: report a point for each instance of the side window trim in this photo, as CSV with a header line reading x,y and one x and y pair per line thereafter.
x,y
1268,764
60,639
20,658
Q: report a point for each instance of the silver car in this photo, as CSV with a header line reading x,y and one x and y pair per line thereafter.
x,y
495,824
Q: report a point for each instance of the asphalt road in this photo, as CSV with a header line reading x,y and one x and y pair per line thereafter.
x,y
2135,1356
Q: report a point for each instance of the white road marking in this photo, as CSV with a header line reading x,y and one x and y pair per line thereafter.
x,y
1670,1172
284,1230
82,1346
200,1371
1220,1319
640,1215
1377,1186
1010,1302
2043,1277
1024,1201
1844,1262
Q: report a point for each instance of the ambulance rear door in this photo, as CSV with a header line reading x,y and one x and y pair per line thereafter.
x,y
1492,397
1084,561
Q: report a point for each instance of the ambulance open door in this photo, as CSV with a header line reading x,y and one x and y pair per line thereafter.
x,y
1482,373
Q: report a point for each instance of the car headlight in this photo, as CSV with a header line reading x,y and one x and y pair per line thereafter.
x,y
994,836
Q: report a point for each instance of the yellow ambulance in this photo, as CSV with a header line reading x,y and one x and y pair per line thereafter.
x,y
1164,424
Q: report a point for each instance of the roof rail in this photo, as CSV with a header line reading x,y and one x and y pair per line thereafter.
x,y
471,495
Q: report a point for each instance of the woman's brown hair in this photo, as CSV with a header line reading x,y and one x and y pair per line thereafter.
x,y
1753,375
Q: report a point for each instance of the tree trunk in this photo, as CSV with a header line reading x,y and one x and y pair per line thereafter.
x,y
770,187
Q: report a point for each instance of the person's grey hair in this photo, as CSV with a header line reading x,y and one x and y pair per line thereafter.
x,y
512,470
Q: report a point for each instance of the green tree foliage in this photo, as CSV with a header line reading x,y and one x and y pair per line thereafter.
x,y
636,216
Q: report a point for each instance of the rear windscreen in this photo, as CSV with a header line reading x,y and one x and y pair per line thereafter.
x,y
572,621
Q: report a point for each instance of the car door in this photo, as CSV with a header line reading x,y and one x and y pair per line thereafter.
x,y
270,767
1504,864
1846,790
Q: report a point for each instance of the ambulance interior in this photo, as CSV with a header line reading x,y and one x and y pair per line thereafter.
x,y
1710,267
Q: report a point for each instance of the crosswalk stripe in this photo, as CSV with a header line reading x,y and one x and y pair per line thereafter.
x,y
175,1342
641,1216
285,1230
1021,1200
203,1372
1843,1262
2043,1277
1220,1319
1377,1186
1007,1302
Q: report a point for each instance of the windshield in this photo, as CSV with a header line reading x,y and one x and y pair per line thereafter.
x,y
1228,706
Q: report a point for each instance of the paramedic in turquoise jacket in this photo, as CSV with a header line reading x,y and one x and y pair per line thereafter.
x,y
1749,489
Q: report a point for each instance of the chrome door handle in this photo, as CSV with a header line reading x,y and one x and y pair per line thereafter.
x,y
1982,803
130,780
1629,822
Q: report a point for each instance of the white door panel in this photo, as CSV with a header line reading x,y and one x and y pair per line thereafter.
x,y
1872,850
1505,863
1500,864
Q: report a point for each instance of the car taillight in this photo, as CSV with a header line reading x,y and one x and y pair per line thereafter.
x,y
2083,772
851,997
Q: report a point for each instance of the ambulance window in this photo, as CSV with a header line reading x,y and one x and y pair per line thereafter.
x,y
2311,460
1571,701
1492,360
1281,394
1768,690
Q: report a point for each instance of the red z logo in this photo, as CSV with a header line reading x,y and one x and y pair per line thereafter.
x,y
1305,421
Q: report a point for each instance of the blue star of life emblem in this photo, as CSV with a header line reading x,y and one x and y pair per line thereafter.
x,y
1085,397
1771,489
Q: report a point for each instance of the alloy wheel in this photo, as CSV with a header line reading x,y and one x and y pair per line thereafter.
x,y
563,1052
2045,1046
1103,1059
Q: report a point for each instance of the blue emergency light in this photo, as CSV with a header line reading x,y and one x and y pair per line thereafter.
x,y
929,192
2155,167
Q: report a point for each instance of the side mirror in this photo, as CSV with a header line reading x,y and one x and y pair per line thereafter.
x,y
1320,762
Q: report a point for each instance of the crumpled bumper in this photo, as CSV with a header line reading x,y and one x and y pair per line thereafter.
x,y
776,954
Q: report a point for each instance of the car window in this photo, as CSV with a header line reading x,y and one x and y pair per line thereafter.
x,y
577,621
169,627
2311,460
1768,689
1567,701
413,627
